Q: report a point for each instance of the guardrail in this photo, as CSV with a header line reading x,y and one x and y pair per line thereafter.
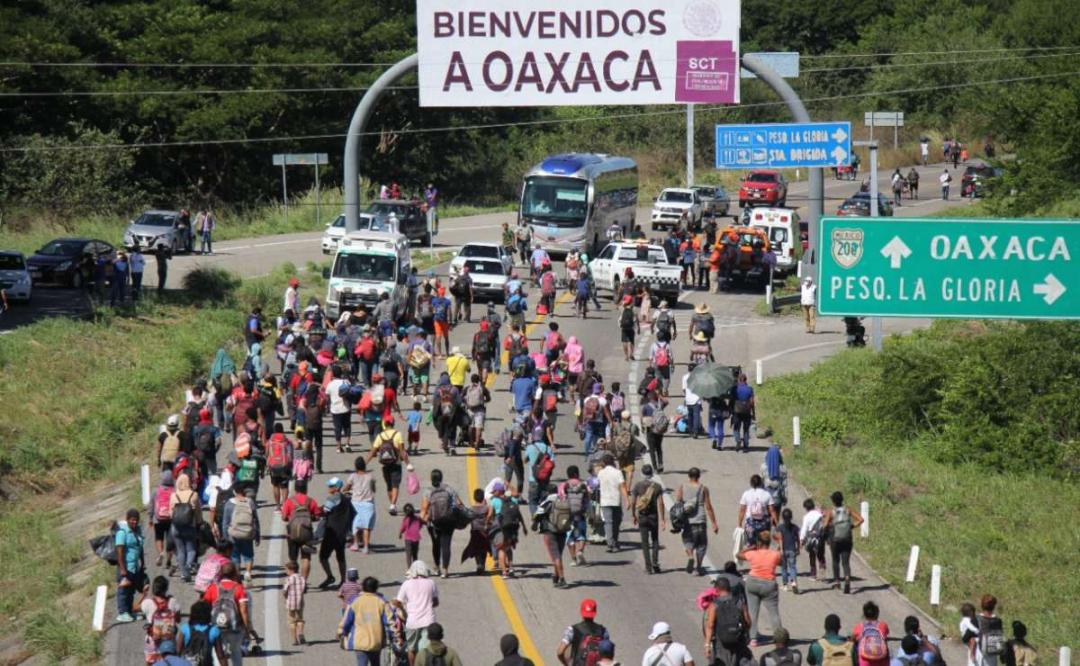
x,y
777,302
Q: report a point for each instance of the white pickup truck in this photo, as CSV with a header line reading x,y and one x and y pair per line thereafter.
x,y
677,205
648,263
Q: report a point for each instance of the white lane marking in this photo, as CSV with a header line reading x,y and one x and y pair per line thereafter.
x,y
792,350
272,595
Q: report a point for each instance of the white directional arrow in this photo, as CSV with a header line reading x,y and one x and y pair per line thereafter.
x,y
839,135
839,154
896,251
1051,289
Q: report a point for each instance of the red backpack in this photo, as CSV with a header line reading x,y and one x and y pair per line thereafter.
x,y
161,503
663,356
547,283
277,458
365,349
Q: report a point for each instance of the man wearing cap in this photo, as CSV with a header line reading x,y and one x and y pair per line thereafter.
x,y
584,637
207,440
807,299
172,441
786,655
664,651
485,344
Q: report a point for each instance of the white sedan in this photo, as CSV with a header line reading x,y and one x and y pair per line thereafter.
x,y
335,231
14,278
485,251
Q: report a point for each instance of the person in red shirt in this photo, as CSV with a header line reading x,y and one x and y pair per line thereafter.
x,y
300,551
871,637
234,639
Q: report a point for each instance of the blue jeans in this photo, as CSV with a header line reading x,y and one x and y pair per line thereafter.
x,y
594,430
694,414
788,569
186,540
716,427
612,522
367,658
125,596
742,430
208,244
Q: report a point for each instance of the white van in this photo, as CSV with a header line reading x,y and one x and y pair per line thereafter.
x,y
782,225
366,265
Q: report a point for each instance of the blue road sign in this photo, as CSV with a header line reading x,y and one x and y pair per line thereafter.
x,y
783,145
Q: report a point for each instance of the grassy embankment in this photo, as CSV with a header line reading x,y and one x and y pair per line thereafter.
x,y
963,438
262,221
84,402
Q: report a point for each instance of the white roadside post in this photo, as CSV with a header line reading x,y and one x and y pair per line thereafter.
x,y
768,295
864,509
796,431
98,621
1065,656
912,564
935,585
146,485
760,372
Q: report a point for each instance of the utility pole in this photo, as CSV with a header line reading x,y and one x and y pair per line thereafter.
x,y
689,144
875,322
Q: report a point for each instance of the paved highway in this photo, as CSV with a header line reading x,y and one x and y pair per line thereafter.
x,y
477,609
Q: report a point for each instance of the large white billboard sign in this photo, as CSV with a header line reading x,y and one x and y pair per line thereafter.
x,y
523,53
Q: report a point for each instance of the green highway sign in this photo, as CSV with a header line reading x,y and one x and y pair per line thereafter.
x,y
937,267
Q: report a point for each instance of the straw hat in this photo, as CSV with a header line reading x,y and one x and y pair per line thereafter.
x,y
702,308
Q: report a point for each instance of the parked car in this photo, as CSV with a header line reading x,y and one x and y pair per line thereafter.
x,y
410,214
973,182
674,205
68,261
482,251
714,199
858,205
335,231
155,228
15,279
763,187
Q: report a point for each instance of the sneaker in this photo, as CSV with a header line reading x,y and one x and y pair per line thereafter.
x,y
393,509
784,588
124,618
573,561
689,566
794,588
160,559
327,584
303,640
365,550
754,643
847,587
581,559
354,548
247,576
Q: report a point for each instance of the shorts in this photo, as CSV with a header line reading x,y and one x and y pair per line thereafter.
x,y
428,325
555,544
442,328
299,551
391,474
414,437
419,376
342,425
280,481
161,529
579,530
627,335
243,551
484,364
296,617
571,378
416,639
365,516
478,416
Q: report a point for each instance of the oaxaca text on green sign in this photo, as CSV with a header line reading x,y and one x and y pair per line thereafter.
x,y
935,267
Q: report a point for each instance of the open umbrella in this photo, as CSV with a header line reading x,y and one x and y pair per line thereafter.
x,y
710,380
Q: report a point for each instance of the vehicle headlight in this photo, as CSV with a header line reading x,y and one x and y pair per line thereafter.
x,y
25,279
63,266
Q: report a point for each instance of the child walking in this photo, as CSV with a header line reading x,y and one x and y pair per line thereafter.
x,y
789,538
414,417
294,589
410,532
350,589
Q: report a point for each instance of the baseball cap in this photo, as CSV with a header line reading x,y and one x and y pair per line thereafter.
x,y
659,629
588,608
173,423
335,482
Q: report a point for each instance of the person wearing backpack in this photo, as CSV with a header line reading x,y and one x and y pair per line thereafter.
x,y
418,358
989,643
871,637
230,611
437,653
437,508
812,537
839,523
783,654
580,644
576,493
207,441
338,515
662,357
513,465
744,412
162,618
613,498
476,398
540,463
663,324
198,640
832,649
389,449
161,519
300,513
502,523
1018,652
462,290
908,653
647,512
171,442
485,344
279,462
761,587
724,628
595,416
756,512
696,501
186,514
655,422
445,405
241,521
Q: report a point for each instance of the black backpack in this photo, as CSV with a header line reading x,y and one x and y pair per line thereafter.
x,y
509,515
728,625
663,324
626,319
586,646
197,648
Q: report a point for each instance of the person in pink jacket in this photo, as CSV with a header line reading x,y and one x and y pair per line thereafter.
x,y
575,363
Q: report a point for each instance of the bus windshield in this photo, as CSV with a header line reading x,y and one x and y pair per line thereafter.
x,y
376,267
556,201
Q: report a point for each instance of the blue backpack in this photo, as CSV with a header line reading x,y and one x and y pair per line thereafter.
x,y
582,288
441,310
514,305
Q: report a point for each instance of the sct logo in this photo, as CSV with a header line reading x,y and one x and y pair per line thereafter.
x,y
847,246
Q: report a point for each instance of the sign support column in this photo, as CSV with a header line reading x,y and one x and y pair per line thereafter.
x,y
690,144
875,322
284,193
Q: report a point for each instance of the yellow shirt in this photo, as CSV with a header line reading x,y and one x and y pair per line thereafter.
x,y
458,368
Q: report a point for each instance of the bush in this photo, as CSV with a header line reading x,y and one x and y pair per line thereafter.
x,y
216,285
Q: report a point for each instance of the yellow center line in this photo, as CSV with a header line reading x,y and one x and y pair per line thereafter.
x,y
472,475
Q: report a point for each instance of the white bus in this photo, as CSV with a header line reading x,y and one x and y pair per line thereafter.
x,y
570,200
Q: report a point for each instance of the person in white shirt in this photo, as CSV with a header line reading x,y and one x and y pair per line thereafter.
x,y
137,264
812,536
924,150
808,299
756,510
693,408
613,497
664,651
945,179
339,412
292,297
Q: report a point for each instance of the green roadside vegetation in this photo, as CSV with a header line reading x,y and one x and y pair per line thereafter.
x,y
85,399
965,439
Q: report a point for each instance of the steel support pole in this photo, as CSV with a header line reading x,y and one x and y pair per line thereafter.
x,y
689,144
816,176
356,128
318,197
875,322
284,192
